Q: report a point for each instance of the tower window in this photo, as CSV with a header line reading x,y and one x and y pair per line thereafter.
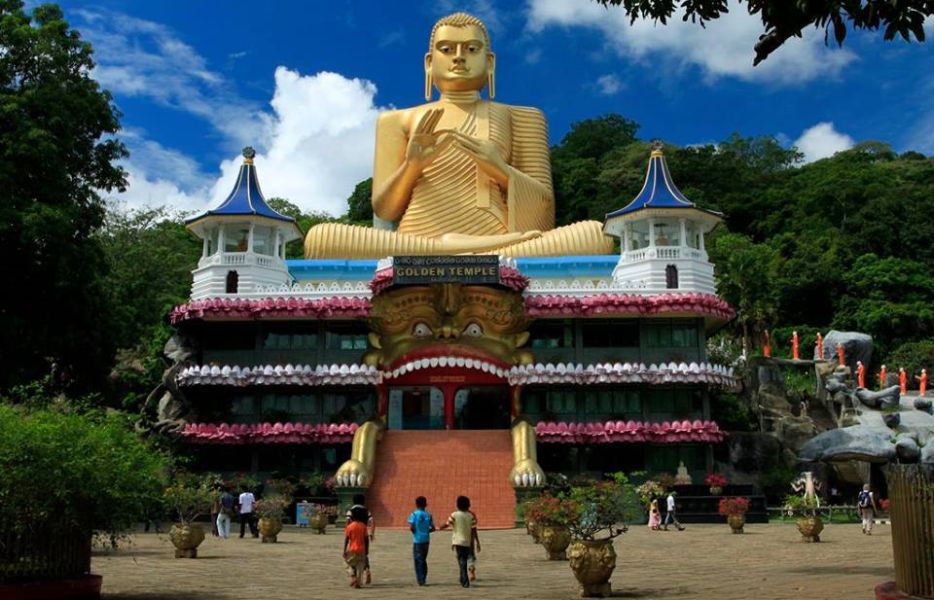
x,y
671,277
233,281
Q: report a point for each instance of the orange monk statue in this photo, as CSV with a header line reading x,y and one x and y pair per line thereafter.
x,y
794,346
922,382
902,380
819,346
860,372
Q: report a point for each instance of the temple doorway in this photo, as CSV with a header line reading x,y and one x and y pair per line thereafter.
x,y
416,407
482,407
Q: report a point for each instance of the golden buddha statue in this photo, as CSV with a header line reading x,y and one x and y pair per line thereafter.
x,y
461,175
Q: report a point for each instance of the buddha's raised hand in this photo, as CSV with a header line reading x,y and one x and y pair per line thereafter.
x,y
485,153
425,144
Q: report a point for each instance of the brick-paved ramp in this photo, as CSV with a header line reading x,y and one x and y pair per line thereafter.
x,y
442,465
705,562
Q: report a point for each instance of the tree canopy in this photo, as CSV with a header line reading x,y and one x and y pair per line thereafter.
x,y
783,19
57,154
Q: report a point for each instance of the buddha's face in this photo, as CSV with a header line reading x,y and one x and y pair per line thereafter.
x,y
459,58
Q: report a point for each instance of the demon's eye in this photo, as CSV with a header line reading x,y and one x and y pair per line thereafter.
x,y
422,330
473,330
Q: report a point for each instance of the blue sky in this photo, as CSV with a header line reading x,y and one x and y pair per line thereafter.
x,y
303,83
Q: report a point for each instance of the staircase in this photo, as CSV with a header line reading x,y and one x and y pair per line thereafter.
x,y
442,465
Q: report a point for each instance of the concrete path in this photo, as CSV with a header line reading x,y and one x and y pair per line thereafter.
x,y
705,561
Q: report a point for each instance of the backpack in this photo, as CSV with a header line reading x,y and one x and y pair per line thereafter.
x,y
865,499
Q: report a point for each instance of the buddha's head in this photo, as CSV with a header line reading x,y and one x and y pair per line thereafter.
x,y
459,57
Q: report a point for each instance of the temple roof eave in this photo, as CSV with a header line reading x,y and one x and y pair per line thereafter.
x,y
615,220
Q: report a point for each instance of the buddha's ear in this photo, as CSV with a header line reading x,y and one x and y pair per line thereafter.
x,y
428,77
374,340
491,75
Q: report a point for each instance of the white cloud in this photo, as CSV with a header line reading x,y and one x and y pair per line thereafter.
x,y
723,49
313,146
609,84
822,141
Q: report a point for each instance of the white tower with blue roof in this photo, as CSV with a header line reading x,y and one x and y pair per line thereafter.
x,y
243,241
662,237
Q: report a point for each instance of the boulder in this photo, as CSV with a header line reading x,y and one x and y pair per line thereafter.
x,y
753,452
923,404
857,346
795,432
889,397
907,449
850,443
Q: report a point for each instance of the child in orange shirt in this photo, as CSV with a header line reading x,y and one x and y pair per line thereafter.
x,y
356,544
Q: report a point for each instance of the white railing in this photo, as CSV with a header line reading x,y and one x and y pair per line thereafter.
x,y
664,253
236,259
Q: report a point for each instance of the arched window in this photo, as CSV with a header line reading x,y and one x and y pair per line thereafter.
x,y
233,280
671,277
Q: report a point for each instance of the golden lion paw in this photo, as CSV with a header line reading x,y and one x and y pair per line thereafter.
x,y
527,473
352,473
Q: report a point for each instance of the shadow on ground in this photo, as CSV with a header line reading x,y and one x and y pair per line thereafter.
x,y
880,571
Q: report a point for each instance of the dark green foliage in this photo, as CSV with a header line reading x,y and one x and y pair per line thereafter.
x,y
914,356
360,205
782,19
731,412
54,158
89,469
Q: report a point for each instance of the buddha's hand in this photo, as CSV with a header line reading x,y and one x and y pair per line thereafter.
x,y
426,144
485,153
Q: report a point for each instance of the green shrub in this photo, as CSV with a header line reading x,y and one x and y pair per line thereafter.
x,y
731,412
87,470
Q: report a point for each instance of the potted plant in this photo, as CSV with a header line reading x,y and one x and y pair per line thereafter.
x,y
552,516
189,496
601,512
319,517
717,482
66,478
270,511
531,526
734,509
809,521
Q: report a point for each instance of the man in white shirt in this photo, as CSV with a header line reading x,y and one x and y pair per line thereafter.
x,y
247,499
670,516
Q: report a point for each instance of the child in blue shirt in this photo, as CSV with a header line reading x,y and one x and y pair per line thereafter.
x,y
421,524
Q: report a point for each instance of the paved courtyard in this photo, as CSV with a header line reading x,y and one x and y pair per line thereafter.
x,y
705,561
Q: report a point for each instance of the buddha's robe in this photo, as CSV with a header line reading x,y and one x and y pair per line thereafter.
x,y
454,196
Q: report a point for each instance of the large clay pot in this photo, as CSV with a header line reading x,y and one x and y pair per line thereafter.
x,y
555,539
186,538
535,530
810,528
716,490
593,564
269,528
318,522
736,522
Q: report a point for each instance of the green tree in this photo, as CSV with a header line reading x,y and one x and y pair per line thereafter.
x,y
890,298
782,19
360,205
57,154
745,279
149,259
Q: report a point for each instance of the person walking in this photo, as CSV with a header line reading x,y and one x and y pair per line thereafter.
x,y
867,508
227,506
464,528
670,516
421,524
359,501
246,501
655,517
356,544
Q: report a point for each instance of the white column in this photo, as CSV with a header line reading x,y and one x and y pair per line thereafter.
x,y
276,251
204,245
627,227
249,240
683,242
221,242
700,233
651,232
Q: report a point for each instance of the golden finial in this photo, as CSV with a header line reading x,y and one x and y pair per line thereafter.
x,y
657,146
248,154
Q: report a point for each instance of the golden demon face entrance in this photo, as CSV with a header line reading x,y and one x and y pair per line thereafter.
x,y
445,349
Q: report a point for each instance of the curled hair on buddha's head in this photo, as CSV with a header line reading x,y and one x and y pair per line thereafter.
x,y
459,19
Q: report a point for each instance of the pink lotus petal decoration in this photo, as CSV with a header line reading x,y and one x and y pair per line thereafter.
x,y
268,433
242,308
635,304
631,431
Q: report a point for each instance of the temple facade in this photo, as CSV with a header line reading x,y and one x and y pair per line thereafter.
x,y
601,359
